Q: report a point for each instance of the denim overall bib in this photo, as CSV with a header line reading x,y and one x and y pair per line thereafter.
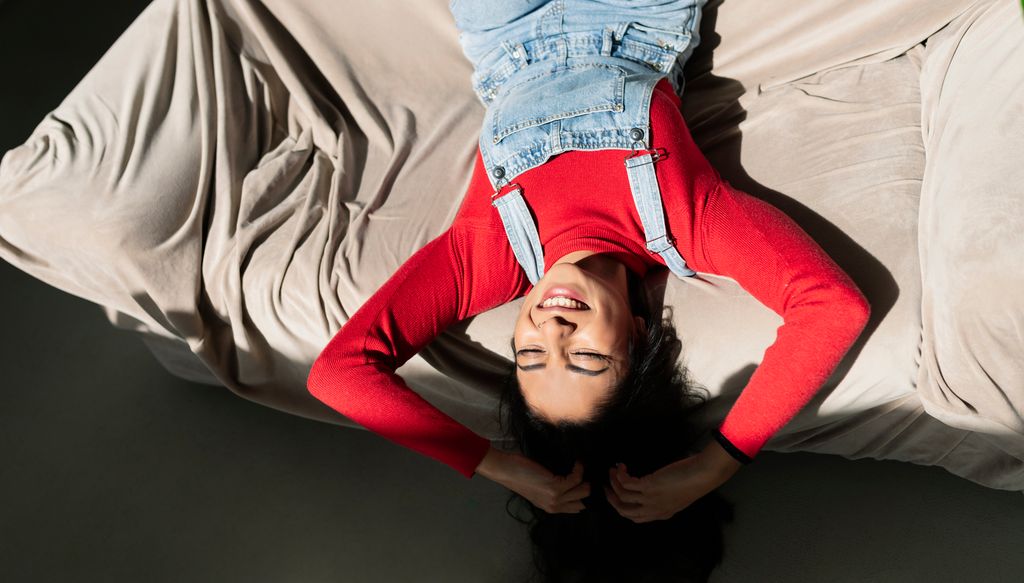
x,y
560,75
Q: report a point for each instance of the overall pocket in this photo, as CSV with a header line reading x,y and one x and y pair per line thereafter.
x,y
656,47
558,93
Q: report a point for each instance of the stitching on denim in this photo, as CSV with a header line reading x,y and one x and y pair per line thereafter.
x,y
617,102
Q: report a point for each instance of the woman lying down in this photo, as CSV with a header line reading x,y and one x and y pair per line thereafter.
x,y
585,179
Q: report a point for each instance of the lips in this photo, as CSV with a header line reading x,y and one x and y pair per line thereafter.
x,y
566,293
560,309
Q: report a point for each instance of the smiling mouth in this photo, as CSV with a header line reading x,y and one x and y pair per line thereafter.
x,y
562,303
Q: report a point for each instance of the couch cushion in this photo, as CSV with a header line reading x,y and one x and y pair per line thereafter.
x,y
765,43
972,224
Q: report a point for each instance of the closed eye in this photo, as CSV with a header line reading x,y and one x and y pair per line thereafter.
x,y
593,355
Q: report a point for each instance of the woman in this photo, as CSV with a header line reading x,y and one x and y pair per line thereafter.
x,y
587,177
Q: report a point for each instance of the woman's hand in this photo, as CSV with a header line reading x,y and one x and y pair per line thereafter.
x,y
545,490
660,495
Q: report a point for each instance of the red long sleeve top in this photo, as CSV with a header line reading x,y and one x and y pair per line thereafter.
x,y
582,200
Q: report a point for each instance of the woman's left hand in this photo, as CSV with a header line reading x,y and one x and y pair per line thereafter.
x,y
660,495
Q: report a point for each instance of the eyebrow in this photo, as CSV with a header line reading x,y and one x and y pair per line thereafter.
x,y
569,367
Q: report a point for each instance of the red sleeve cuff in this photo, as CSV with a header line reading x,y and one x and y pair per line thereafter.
x,y
729,447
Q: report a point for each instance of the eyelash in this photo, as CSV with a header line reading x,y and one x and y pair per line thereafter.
x,y
589,354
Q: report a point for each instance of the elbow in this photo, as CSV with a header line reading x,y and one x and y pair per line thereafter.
x,y
336,368
856,308
326,372
313,380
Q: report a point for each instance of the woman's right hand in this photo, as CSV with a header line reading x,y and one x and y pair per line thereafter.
x,y
545,490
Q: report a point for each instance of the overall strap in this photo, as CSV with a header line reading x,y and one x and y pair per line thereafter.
x,y
521,231
647,197
643,183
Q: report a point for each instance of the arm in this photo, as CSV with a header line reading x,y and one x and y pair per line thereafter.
x,y
759,246
823,311
355,373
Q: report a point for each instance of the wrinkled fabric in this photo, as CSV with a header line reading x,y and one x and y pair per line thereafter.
x,y
234,178
971,236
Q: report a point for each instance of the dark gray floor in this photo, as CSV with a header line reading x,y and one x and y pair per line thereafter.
x,y
113,470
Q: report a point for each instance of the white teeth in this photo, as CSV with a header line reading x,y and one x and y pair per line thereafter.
x,y
563,302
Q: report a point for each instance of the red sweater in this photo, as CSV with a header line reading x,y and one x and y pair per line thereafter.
x,y
582,200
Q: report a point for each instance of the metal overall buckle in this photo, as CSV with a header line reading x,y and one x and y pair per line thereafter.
x,y
507,188
656,153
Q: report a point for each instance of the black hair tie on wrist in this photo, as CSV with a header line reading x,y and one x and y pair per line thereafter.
x,y
732,449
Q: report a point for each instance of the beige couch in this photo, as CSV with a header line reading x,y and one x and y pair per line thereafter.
x,y
235,177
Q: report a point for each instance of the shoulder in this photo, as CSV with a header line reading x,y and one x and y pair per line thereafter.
x,y
666,94
486,268
666,105
479,248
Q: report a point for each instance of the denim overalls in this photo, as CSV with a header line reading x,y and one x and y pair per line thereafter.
x,y
560,75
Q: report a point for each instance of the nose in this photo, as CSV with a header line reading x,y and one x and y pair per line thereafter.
x,y
557,325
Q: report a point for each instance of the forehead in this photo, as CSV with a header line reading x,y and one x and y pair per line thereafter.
x,y
562,395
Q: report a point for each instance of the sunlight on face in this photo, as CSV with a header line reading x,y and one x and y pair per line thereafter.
x,y
569,358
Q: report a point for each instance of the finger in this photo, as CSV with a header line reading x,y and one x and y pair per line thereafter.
x,y
573,508
576,475
577,493
564,484
609,494
623,494
627,481
662,516
624,509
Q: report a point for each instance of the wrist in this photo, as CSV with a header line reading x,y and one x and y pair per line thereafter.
x,y
730,448
721,459
490,466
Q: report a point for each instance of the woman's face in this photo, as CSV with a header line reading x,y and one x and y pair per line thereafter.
x,y
571,352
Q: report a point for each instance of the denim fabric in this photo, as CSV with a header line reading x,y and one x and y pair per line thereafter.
x,y
522,233
560,75
643,182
